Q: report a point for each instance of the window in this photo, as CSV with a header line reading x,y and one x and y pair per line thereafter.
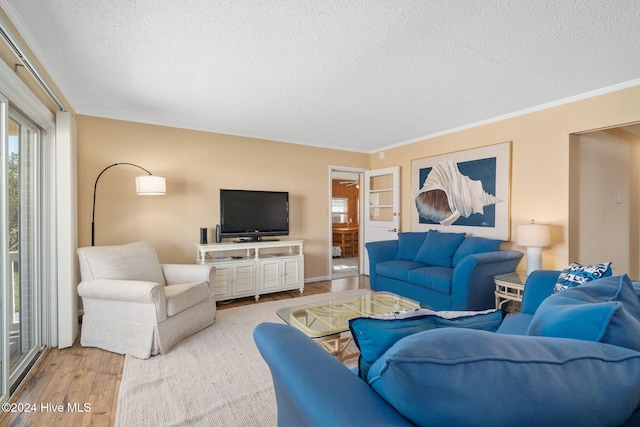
x,y
339,210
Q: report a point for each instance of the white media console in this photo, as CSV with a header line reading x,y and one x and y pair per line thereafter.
x,y
254,268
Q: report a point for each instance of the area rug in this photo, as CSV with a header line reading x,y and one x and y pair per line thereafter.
x,y
213,378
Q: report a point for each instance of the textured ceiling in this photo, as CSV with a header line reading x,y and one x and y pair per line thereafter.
x,y
359,75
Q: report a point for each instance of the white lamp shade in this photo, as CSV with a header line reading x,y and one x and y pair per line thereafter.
x,y
151,185
534,235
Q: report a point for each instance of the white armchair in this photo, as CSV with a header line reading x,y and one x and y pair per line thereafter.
x,y
135,305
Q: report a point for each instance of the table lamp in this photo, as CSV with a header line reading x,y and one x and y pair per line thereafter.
x,y
534,237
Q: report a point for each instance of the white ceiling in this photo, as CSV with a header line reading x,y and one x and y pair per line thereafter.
x,y
359,75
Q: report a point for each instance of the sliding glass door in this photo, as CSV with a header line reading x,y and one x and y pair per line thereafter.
x,y
21,216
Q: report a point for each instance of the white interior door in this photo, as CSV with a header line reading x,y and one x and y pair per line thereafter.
x,y
381,207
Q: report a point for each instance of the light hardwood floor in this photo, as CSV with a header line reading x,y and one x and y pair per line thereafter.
x,y
79,375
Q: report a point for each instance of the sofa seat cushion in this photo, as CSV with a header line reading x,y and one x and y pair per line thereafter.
x,y
396,269
438,248
604,310
181,297
517,324
435,278
374,335
457,376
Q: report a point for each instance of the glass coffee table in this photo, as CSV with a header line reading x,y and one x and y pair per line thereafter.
x,y
328,321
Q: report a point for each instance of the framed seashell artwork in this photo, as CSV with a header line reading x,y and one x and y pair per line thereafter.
x,y
463,192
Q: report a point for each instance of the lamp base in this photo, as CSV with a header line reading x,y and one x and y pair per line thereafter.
x,y
534,259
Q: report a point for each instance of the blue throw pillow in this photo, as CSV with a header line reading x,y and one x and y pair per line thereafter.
x,y
438,248
409,244
472,245
605,310
577,274
456,376
376,334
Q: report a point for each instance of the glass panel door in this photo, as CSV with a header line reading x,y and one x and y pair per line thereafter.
x,y
382,204
21,213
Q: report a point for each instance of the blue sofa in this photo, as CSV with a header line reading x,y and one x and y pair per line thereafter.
x,y
443,271
531,372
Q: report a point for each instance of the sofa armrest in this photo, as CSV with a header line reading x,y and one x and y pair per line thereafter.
x,y
539,285
123,290
315,389
176,274
383,250
473,286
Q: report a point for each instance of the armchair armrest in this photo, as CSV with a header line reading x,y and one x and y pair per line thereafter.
x,y
383,250
123,290
175,274
313,388
473,286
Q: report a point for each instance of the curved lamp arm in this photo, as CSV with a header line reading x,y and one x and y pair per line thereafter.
x,y
95,187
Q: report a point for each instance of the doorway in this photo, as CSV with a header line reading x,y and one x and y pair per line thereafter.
x,y
344,218
604,198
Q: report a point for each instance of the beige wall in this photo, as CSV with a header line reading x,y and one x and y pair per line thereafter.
x,y
540,160
604,199
196,165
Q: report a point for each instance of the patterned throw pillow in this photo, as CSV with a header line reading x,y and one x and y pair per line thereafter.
x,y
577,274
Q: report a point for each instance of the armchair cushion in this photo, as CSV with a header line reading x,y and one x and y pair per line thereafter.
x,y
605,310
458,376
181,297
133,261
438,248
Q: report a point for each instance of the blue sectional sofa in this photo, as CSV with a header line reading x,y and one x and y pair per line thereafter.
x,y
570,359
444,271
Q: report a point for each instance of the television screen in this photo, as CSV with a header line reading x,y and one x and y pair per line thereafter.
x,y
253,214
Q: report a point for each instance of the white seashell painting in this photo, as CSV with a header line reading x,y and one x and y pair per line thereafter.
x,y
463,191
447,194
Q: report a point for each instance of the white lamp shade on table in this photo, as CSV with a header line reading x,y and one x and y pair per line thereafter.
x,y
534,237
151,185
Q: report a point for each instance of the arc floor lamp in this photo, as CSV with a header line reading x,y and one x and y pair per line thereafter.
x,y
146,185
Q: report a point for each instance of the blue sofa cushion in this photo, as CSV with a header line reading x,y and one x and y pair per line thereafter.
x,y
605,310
458,376
434,278
396,269
438,248
472,245
409,243
577,274
376,334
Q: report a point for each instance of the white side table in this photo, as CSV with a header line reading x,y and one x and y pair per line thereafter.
x,y
509,289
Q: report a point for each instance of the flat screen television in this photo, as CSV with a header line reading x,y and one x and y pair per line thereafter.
x,y
251,214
